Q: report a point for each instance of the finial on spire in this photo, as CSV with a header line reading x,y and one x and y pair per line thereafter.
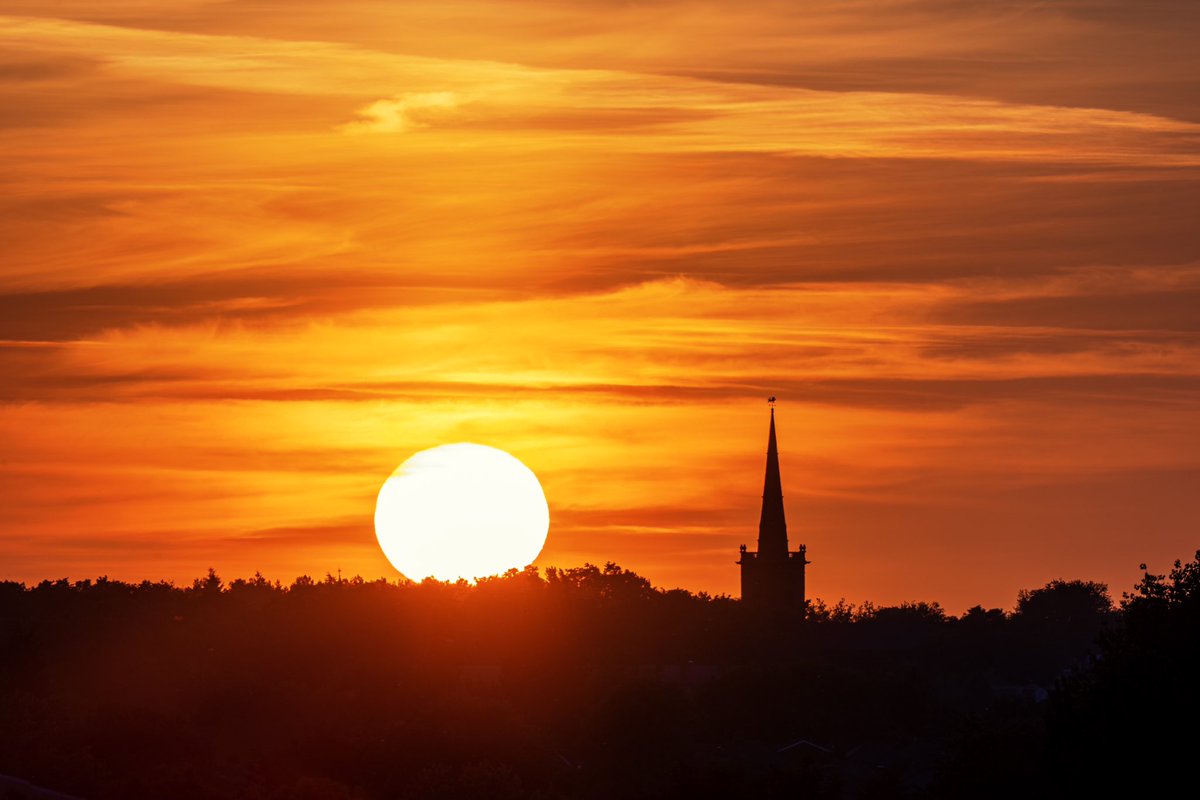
x,y
771,401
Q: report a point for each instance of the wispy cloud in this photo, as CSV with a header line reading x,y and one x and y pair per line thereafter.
x,y
403,113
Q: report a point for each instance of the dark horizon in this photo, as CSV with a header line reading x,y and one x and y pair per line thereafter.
x,y
586,683
252,258
335,576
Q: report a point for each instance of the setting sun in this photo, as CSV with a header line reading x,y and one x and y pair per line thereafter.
x,y
461,511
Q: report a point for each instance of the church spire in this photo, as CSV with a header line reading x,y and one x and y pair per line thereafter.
x,y
772,576
772,528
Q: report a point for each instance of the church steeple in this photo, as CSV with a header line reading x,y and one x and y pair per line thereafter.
x,y
772,527
773,576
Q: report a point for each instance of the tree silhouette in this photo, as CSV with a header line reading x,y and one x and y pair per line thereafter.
x,y
1066,604
578,683
1136,711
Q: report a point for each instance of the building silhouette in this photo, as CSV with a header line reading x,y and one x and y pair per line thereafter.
x,y
773,576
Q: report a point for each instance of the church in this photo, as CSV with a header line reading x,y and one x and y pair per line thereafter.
x,y
773,575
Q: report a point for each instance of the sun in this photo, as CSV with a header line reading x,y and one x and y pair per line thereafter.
x,y
461,511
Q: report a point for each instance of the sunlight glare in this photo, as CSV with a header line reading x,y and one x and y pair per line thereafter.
x,y
461,511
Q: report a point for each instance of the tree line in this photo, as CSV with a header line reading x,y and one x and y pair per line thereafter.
x,y
585,682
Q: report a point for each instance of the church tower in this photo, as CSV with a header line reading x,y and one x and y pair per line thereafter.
x,y
773,576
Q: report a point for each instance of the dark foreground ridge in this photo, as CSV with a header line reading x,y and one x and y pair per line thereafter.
x,y
587,683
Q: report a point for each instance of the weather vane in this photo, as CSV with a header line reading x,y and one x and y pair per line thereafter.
x,y
771,401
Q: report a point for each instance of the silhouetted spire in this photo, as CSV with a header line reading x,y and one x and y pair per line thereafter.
x,y
772,528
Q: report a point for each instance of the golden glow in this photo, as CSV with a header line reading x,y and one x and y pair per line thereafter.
x,y
461,511
251,250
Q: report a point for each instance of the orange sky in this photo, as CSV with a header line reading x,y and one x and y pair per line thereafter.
x,y
255,253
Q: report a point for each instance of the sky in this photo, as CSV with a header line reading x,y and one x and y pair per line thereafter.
x,y
256,253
